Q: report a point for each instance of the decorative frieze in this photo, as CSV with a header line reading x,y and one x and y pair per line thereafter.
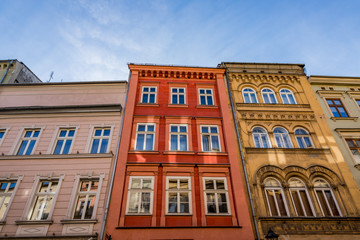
x,y
261,78
277,116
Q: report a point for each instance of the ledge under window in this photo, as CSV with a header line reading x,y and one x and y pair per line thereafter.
x,y
143,152
206,106
77,221
287,150
178,105
179,152
33,222
147,105
344,118
213,153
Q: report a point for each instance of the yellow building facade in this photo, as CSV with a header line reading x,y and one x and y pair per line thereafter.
x,y
300,185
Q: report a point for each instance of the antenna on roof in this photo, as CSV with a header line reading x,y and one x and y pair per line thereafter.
x,y
51,76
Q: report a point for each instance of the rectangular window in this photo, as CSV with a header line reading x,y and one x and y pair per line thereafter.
x,y
145,135
64,141
216,196
358,102
28,141
2,134
100,140
148,95
337,108
44,198
140,195
178,95
86,198
206,96
178,195
178,137
210,139
354,145
7,188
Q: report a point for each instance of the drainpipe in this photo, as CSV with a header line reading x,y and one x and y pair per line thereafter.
x,y
103,226
242,158
7,70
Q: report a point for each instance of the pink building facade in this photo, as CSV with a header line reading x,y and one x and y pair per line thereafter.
x,y
57,149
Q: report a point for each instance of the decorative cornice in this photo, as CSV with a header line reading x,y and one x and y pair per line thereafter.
x,y
259,78
276,105
256,115
287,150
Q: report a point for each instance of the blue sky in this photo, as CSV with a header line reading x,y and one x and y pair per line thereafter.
x,y
88,40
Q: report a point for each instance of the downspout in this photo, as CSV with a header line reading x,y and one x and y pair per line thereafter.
x,y
7,70
242,158
103,226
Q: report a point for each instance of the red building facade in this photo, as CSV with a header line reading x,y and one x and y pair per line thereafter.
x,y
178,174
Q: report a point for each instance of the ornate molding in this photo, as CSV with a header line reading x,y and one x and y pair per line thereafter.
x,y
193,74
277,116
259,78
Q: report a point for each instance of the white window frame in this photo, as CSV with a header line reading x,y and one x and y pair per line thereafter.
x,y
140,190
32,199
249,95
206,95
327,202
261,142
298,189
4,130
178,191
216,192
177,94
64,139
356,158
273,188
29,139
6,194
281,135
302,138
145,134
93,137
287,96
268,95
210,135
143,93
178,138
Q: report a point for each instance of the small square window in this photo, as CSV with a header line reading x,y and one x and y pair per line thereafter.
x,y
206,96
140,195
145,135
210,138
148,94
64,141
178,138
337,108
28,141
178,96
100,140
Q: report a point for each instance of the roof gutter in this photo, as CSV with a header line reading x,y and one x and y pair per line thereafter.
x,y
242,157
7,70
107,205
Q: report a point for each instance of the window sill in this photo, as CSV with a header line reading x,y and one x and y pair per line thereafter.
x,y
206,106
178,105
178,214
213,153
179,152
33,222
78,221
138,214
147,105
218,214
143,152
286,150
344,118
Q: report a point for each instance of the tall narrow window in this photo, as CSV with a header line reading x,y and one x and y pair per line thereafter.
x,y
261,138
303,138
178,95
249,95
178,138
100,140
206,96
145,135
64,141
287,96
300,198
178,195
43,201
28,142
210,139
275,197
268,95
6,190
86,198
354,145
326,199
148,95
216,196
337,108
282,138
140,195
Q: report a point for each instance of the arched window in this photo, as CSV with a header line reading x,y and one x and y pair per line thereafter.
x,y
249,95
275,197
326,199
287,96
261,138
300,198
303,138
268,95
282,138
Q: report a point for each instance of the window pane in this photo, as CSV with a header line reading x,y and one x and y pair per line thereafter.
x,y
67,147
264,141
183,143
272,97
205,142
253,98
28,134
204,129
135,183
71,133
146,184
184,184
141,128
284,99
342,112
79,209
98,132
58,146
152,98
280,201
95,146
211,205
174,99
202,100
5,202
323,204
181,99
133,202
272,204
30,147
220,184
140,142
174,129
266,98
246,98
106,132
209,184
297,204
209,100
300,142
149,141
182,129
104,144
173,184
145,202
292,99
332,203
306,203
62,133
307,142
173,143
145,98
257,140
335,112
152,89
184,208
222,203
